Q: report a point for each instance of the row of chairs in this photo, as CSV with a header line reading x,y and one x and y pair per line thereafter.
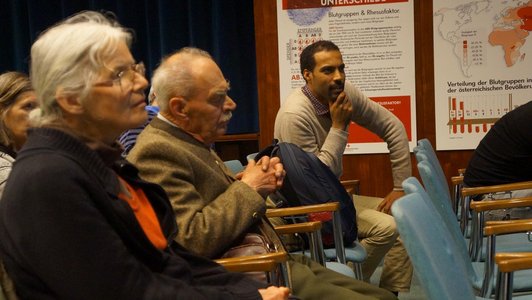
x,y
448,257
270,262
438,245
438,261
334,258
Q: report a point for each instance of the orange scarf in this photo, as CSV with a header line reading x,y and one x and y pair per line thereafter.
x,y
144,213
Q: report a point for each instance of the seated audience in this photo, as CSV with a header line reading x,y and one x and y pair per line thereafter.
x,y
76,222
17,99
212,207
503,156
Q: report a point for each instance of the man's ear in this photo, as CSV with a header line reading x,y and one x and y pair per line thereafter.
x,y
307,75
177,107
68,103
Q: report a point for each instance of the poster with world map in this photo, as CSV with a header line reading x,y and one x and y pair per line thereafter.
x,y
482,66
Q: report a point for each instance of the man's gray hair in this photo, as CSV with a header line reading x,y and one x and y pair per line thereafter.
x,y
174,76
67,58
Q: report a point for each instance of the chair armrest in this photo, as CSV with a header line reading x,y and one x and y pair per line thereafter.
x,y
352,186
510,262
504,222
313,229
506,227
456,180
277,257
479,206
331,209
302,210
260,265
469,191
298,228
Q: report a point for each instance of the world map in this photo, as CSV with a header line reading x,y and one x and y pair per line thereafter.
x,y
508,27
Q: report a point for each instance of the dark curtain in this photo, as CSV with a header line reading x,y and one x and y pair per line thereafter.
x,y
224,28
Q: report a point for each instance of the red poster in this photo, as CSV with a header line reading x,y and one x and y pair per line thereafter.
x,y
398,105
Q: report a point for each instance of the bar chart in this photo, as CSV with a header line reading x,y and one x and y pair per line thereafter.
x,y
477,113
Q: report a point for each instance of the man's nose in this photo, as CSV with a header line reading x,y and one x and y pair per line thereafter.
x,y
229,104
338,76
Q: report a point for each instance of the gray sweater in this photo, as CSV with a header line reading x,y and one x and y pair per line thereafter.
x,y
298,123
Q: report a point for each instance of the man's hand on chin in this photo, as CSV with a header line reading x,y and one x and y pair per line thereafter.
x,y
386,204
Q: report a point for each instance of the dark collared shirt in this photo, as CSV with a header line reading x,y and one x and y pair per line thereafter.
x,y
321,109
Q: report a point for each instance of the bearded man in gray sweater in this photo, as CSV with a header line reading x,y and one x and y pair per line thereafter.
x,y
316,116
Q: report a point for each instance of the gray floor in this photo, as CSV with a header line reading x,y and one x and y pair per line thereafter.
x,y
416,291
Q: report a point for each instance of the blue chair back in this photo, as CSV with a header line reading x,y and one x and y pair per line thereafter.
x,y
425,152
427,146
234,165
446,216
432,250
436,188
251,156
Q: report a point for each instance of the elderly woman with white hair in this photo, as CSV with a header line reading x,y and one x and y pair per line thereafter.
x,y
76,222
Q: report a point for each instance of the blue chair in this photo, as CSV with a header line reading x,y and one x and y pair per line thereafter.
x,y
412,186
478,274
478,209
436,185
313,230
234,165
341,253
443,275
430,154
425,151
438,190
516,242
461,198
251,156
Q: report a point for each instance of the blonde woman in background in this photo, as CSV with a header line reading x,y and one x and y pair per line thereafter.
x,y
17,99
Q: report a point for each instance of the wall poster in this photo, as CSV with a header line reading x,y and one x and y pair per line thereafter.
x,y
481,68
376,38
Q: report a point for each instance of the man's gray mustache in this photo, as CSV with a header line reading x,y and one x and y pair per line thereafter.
x,y
226,117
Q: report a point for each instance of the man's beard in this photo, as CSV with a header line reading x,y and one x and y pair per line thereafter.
x,y
335,90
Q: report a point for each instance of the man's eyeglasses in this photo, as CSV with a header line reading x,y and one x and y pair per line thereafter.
x,y
125,75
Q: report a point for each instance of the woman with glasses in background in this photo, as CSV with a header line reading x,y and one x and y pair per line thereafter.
x,y
76,222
